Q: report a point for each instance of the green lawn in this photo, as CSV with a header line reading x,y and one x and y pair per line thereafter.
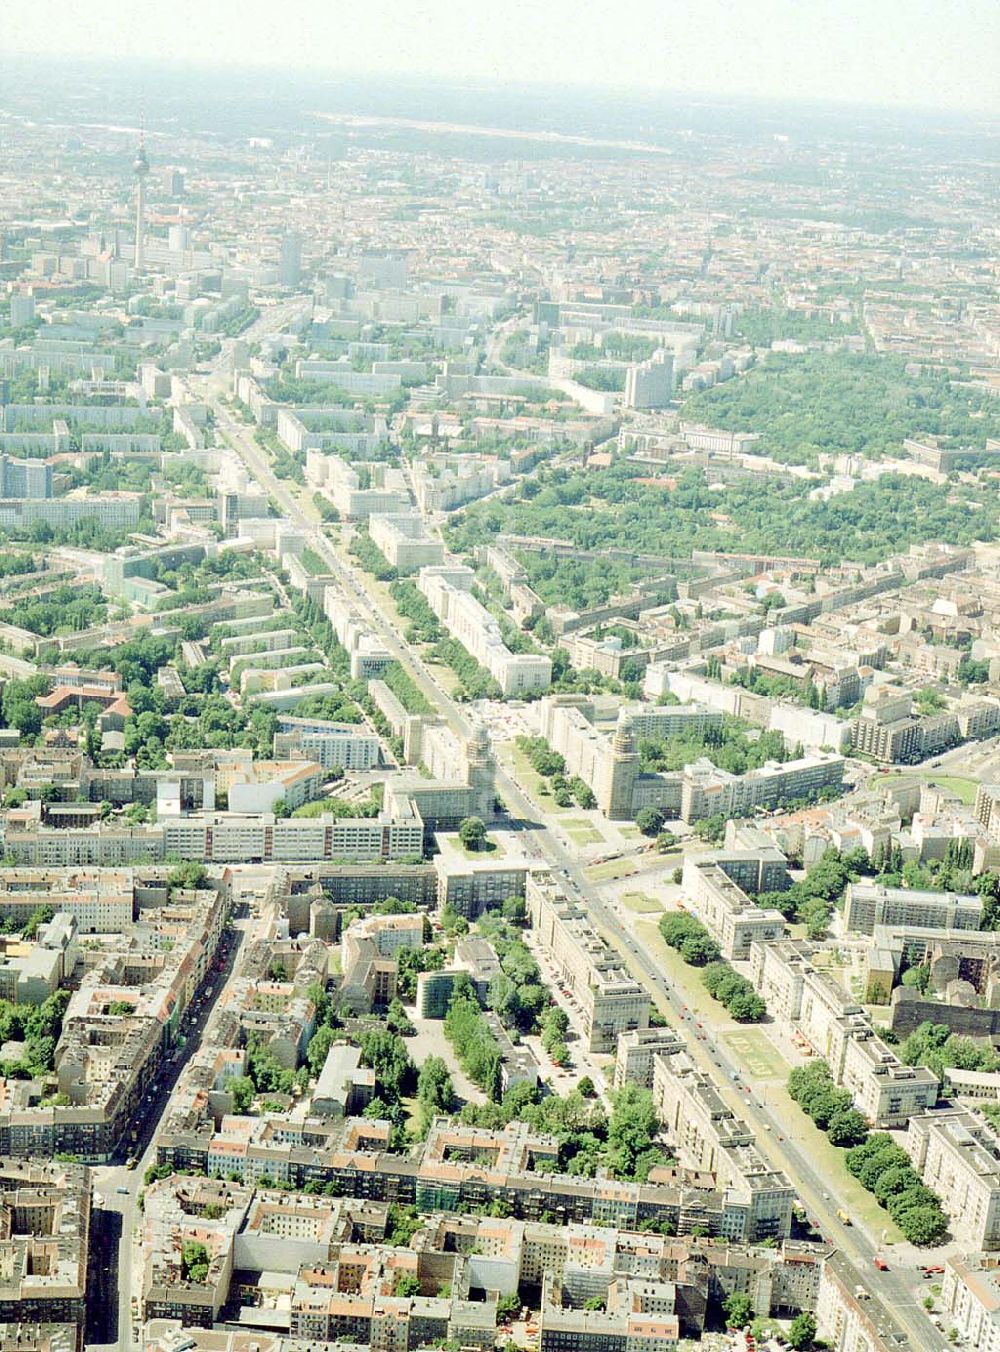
x,y
489,848
641,904
532,783
756,1053
964,789
613,868
685,979
585,836
412,1109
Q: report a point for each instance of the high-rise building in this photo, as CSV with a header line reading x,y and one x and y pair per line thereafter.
x,y
175,182
25,478
22,308
290,265
140,168
650,384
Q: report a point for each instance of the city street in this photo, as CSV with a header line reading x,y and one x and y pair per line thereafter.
x,y
116,1216
893,1298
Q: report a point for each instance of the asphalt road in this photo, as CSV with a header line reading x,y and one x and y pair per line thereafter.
x,y
893,1304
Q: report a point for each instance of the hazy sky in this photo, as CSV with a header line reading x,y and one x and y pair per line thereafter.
x,y
932,53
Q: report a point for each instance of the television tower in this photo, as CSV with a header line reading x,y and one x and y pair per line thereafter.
x,y
140,168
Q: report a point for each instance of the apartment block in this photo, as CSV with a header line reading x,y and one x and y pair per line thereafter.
x,y
987,808
472,886
334,746
650,384
886,1091
360,490
637,1052
636,1314
441,483
725,909
870,904
404,541
815,1007
957,1154
708,1136
47,1210
847,1321
223,837
449,594
611,1002
708,791
970,1294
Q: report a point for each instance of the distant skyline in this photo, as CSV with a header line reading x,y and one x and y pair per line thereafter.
x,y
937,54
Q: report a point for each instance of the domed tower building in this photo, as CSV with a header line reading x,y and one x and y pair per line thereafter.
x,y
482,772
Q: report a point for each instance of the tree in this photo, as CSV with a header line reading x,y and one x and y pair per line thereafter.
x,y
898,1179
401,1226
508,1306
802,1332
319,1046
923,1224
918,977
41,915
397,1020
435,1092
472,833
650,820
194,1261
191,875
632,1127
386,1054
554,1027
699,949
690,937
847,1127
738,1309
515,910
406,1284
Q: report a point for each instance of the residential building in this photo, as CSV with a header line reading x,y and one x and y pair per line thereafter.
x,y
970,1295
708,1136
650,384
870,904
611,1001
404,541
449,593
733,919
957,1154
335,746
